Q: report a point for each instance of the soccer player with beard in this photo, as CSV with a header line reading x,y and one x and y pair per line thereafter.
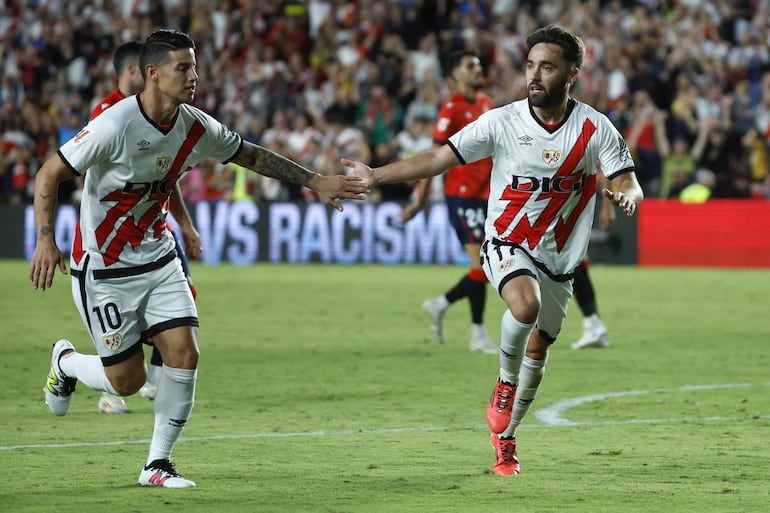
x,y
466,189
127,283
545,153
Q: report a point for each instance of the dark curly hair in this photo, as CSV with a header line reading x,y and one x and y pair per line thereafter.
x,y
572,46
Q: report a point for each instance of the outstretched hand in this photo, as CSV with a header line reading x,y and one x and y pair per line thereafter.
x,y
362,171
625,203
333,188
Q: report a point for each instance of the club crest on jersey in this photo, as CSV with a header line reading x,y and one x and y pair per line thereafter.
x,y
112,341
552,157
506,265
163,164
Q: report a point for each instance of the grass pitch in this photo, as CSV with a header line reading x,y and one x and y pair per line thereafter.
x,y
321,390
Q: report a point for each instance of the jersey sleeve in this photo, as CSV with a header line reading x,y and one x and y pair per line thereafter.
x,y
90,146
220,142
614,155
474,141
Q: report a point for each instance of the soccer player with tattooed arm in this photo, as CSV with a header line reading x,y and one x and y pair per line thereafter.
x,y
127,283
544,150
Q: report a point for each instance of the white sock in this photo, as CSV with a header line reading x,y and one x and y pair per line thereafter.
x,y
442,302
87,369
173,404
531,376
591,321
152,373
513,341
478,331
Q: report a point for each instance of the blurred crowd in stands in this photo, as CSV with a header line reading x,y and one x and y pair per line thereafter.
x,y
686,81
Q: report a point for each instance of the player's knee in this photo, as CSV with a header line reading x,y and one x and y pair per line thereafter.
x,y
191,358
522,296
183,358
525,308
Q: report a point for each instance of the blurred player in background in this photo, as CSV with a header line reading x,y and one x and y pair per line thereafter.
x,y
594,330
544,151
466,190
128,283
130,82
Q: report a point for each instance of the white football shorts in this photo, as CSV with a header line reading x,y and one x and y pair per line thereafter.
x,y
502,262
126,306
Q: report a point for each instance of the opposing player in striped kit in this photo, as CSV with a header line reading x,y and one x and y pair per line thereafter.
x,y
126,280
545,151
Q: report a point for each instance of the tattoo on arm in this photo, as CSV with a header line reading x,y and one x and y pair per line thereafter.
x,y
268,163
45,230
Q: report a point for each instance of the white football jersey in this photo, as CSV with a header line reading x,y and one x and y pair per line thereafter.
x,y
543,186
133,166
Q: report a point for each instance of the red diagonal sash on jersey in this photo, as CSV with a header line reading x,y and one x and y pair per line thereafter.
x,y
532,233
131,232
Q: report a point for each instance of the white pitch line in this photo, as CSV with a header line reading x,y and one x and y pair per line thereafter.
x,y
549,416
236,437
552,415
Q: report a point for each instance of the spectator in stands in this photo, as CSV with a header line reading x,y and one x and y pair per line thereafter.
x,y
342,139
690,60
757,160
718,155
379,116
17,175
700,190
680,160
645,138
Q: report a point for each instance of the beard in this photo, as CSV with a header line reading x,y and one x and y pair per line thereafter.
x,y
547,98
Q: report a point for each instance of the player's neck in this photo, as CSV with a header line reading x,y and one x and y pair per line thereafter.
x,y
158,107
126,89
468,92
552,115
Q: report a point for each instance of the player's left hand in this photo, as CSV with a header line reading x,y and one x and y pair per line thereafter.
x,y
623,202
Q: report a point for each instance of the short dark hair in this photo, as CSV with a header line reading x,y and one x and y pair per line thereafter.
x,y
455,59
124,54
158,45
572,46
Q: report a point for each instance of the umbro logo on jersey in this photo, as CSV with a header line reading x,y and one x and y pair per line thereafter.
x,y
525,139
143,145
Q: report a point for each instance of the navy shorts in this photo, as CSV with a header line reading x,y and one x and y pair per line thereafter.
x,y
467,216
